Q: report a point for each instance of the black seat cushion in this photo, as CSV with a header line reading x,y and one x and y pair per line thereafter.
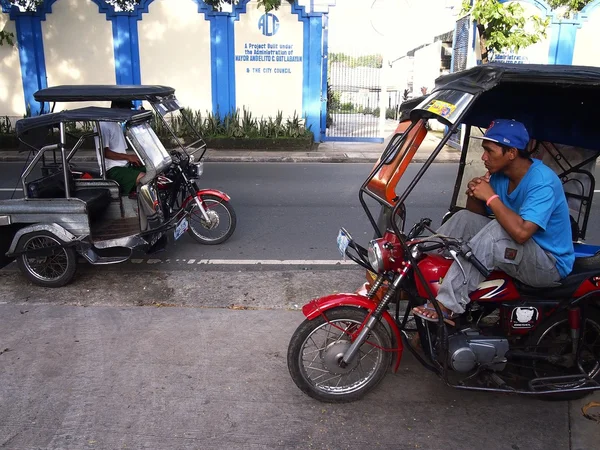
x,y
97,200
583,269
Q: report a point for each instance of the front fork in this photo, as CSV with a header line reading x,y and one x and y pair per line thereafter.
x,y
376,316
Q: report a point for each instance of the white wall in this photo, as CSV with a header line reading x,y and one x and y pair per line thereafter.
x,y
78,46
427,64
587,52
264,87
174,44
11,85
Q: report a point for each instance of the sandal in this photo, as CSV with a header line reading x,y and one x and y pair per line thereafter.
x,y
421,311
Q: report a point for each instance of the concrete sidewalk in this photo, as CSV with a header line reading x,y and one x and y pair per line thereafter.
x,y
90,369
327,152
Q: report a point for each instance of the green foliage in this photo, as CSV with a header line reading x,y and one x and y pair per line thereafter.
x,y
572,5
374,61
502,26
233,125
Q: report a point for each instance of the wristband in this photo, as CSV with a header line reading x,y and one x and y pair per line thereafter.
x,y
489,200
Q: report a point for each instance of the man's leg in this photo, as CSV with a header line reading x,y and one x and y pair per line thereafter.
x,y
464,225
494,247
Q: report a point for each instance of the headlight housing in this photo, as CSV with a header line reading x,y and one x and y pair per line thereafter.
x,y
195,170
376,256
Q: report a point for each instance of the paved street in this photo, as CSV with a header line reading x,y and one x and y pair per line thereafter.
x,y
293,211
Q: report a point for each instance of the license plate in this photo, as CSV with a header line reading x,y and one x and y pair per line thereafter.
x,y
342,242
181,228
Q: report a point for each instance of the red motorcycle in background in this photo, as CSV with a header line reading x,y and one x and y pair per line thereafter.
x,y
512,337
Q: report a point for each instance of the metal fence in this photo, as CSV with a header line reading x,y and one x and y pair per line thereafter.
x,y
353,90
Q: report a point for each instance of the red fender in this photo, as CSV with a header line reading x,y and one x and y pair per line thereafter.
x,y
222,195
316,307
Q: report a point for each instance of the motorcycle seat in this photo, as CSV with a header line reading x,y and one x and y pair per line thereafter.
x,y
583,268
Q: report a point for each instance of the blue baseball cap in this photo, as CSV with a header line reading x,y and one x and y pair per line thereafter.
x,y
506,132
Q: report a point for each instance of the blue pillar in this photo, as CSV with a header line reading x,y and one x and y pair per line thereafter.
x,y
314,85
127,55
31,55
562,44
222,56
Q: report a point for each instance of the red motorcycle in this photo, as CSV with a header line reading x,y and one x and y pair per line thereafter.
x,y
512,338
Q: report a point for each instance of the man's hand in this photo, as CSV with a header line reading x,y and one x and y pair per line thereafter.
x,y
134,160
479,188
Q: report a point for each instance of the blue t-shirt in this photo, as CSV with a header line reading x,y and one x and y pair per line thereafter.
x,y
539,198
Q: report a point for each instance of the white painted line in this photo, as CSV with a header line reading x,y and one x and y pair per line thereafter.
x,y
276,262
597,190
11,189
191,261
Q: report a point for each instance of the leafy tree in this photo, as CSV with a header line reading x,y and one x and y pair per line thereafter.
x,y
572,5
502,26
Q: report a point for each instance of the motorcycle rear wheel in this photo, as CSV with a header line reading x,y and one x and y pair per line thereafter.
x,y
222,221
316,347
554,337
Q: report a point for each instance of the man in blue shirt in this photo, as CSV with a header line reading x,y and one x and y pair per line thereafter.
x,y
530,237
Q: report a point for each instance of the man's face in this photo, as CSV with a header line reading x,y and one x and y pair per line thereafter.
x,y
494,159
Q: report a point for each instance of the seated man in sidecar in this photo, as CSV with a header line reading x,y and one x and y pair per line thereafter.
x,y
126,169
528,239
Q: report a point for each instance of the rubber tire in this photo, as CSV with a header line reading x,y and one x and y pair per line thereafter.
x,y
63,279
306,328
593,314
231,212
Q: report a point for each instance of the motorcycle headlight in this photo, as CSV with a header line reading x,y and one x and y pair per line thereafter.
x,y
196,169
375,256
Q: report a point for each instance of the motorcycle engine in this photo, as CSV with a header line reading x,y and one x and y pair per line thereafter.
x,y
468,349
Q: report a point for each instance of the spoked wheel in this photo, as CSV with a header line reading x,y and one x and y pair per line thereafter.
x,y
221,223
316,349
555,339
53,266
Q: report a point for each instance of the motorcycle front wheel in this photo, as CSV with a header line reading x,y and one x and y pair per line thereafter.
x,y
221,223
316,349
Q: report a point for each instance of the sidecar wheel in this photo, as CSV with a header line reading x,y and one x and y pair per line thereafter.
x,y
221,225
53,270
554,338
315,349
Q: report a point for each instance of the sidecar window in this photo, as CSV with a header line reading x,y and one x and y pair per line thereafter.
x,y
447,106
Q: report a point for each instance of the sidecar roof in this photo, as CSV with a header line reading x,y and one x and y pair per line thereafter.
x,y
90,113
556,103
485,77
102,92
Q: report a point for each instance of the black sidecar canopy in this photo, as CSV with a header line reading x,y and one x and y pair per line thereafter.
x,y
88,114
102,92
556,103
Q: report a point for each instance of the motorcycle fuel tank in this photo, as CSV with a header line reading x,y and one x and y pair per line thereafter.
x,y
498,287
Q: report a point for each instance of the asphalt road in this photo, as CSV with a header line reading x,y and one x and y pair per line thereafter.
x,y
292,211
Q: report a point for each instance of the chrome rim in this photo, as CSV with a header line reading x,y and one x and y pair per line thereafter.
x,y
48,267
218,225
323,348
557,340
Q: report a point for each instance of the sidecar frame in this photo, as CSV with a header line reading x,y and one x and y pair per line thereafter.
x,y
85,214
556,103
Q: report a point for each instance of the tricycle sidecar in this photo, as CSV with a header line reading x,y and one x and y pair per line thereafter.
x,y
62,214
